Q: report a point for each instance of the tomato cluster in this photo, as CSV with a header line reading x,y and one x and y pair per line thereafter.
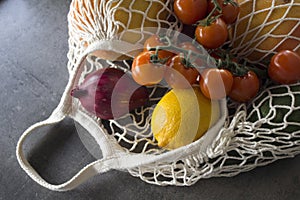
x,y
211,18
150,67
217,83
156,63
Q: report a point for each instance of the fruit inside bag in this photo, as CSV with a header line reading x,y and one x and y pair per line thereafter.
x,y
268,129
245,122
135,132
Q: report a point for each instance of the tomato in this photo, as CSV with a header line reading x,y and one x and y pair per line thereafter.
x,y
178,75
190,11
284,67
144,72
245,87
216,83
213,35
214,55
154,41
190,46
229,12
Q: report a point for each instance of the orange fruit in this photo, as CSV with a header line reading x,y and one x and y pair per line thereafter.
x,y
91,20
266,26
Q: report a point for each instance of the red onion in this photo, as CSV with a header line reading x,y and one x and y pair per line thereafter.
x,y
110,93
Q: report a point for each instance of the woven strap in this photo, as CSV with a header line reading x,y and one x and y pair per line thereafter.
x,y
113,158
85,173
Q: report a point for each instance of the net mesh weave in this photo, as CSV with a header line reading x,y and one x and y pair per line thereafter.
x,y
96,20
266,27
265,130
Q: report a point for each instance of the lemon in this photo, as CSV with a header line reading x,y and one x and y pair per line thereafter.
x,y
182,116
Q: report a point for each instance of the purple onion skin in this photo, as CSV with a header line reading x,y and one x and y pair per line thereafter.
x,y
110,93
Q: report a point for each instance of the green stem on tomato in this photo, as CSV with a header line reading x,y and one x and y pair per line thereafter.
x,y
225,63
209,19
240,69
169,46
156,60
261,73
217,7
230,2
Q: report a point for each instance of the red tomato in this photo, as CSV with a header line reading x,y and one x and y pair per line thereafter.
x,y
193,48
216,83
190,11
154,41
178,75
284,67
229,11
215,55
189,46
144,72
245,87
213,35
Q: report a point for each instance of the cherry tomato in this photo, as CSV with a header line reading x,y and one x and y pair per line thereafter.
x,y
189,46
245,87
215,55
216,83
284,67
229,11
144,72
179,75
213,35
190,11
192,47
154,41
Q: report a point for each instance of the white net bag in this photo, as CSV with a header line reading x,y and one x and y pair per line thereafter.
x,y
244,137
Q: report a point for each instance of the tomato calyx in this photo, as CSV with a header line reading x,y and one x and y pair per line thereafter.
x,y
188,54
225,60
233,3
212,16
235,68
187,63
154,58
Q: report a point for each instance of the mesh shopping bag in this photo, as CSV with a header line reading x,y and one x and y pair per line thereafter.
x,y
244,137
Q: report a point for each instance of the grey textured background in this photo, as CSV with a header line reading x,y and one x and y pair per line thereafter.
x,y
33,57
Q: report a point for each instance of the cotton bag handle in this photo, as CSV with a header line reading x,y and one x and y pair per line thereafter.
x,y
117,161
120,160
113,157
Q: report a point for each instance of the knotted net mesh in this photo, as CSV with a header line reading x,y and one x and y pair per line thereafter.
x,y
107,20
255,134
266,27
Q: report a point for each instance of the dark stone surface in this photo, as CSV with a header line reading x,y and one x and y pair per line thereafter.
x,y
33,49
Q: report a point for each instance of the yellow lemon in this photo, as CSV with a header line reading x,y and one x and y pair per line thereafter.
x,y
182,116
